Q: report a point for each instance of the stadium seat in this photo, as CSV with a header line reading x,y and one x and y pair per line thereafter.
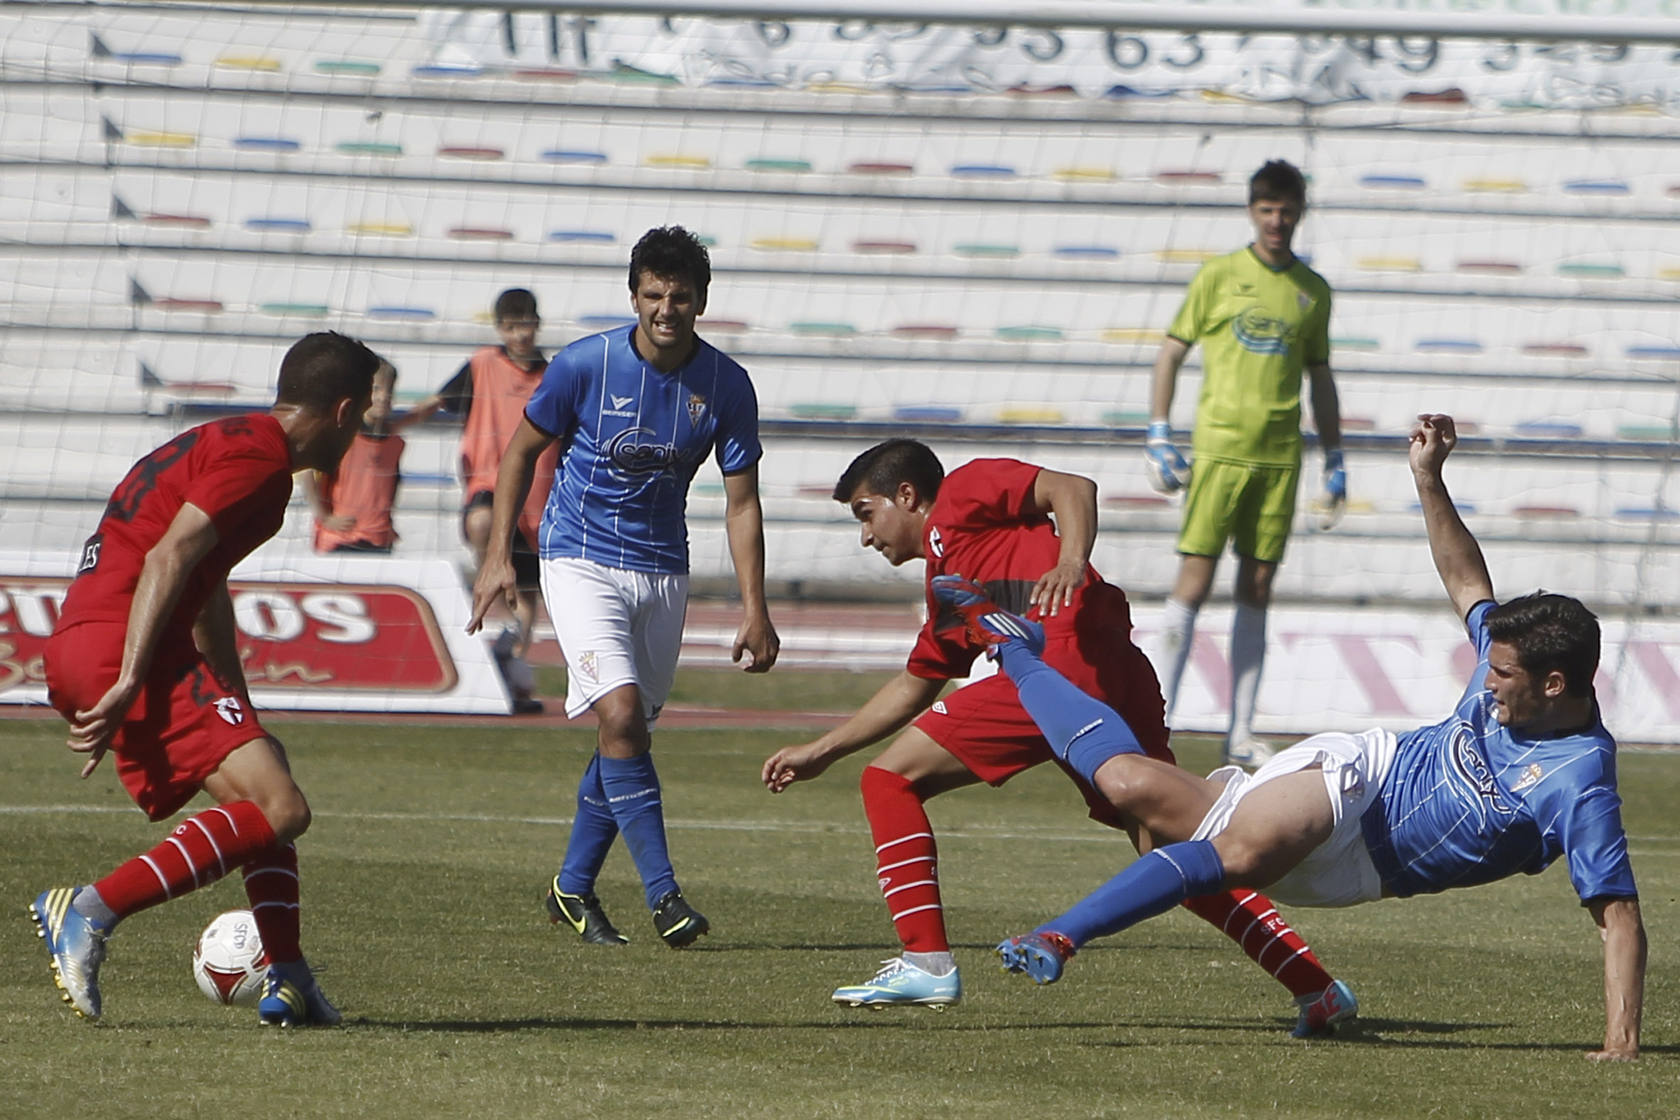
x,y
278,225
460,151
939,331
1136,501
347,67
1389,264
1555,350
1084,174
796,166
260,63
1549,429
983,249
1186,256
1495,186
100,50
288,309
1546,513
1449,346
380,229
1393,182
266,144
1647,513
582,236
814,410
1663,353
1489,266
884,247
1591,271
1194,178
784,244
927,413
574,155
1596,186
983,171
367,148
407,314
880,167
1031,414
479,233
1029,334
1086,252
819,327
1147,335
1646,433
679,161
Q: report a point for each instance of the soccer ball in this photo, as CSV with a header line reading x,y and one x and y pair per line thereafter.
x,y
229,962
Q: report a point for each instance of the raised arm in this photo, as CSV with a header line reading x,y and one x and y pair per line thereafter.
x,y
744,526
1458,558
163,577
513,482
1623,931
1072,500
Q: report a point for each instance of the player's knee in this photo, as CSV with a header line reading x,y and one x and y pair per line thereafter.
x,y
1124,784
1246,863
288,814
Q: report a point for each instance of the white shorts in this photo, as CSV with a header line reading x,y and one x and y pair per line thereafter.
x,y
1338,872
615,627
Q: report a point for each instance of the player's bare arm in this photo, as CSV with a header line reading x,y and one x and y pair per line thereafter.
x,y
513,480
1163,378
744,528
1458,558
1072,500
892,707
163,576
1623,932
217,638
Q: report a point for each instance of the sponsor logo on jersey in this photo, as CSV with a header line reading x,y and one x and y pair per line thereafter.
x,y
1530,777
939,706
1259,333
936,543
1472,769
90,554
630,455
228,708
620,402
696,408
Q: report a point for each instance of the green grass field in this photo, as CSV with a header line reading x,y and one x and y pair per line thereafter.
x,y
431,847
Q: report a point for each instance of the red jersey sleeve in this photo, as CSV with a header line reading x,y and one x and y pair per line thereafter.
x,y
236,482
984,494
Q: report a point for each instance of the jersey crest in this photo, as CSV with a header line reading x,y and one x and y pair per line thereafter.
x,y
696,408
1259,333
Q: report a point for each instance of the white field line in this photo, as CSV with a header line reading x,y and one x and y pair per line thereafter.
x,y
1091,836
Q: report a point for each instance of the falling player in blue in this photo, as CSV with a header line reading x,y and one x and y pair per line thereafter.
x,y
1522,773
636,411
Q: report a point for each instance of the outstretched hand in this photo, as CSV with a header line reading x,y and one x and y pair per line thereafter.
x,y
793,764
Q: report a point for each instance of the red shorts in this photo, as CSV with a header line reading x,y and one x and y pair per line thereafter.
x,y
985,727
184,723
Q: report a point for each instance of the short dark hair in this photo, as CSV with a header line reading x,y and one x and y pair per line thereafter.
x,y
1278,181
885,465
672,251
324,368
515,303
1550,632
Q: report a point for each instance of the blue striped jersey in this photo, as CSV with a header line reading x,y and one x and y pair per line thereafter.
x,y
631,440
1467,801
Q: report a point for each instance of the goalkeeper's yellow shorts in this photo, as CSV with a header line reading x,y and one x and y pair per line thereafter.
x,y
1250,506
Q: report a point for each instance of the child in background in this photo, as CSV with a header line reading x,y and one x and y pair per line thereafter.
x,y
353,504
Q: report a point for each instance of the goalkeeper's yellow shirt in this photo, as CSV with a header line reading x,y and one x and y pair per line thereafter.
x,y
1258,330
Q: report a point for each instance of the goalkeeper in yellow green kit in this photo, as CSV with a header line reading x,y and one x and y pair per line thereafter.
x,y
1262,318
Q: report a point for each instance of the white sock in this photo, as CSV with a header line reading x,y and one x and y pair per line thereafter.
x,y
1248,654
1178,626
934,964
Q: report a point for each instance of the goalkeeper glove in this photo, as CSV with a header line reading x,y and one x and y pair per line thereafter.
x,y
1168,470
1335,488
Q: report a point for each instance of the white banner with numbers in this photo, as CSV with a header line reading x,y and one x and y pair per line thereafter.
x,y
1317,69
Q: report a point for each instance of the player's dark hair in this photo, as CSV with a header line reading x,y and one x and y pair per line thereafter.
x,y
1550,632
1278,181
674,252
324,368
515,303
885,465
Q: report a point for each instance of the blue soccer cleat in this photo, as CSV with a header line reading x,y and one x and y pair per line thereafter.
x,y
1320,1013
902,984
1039,955
288,1001
987,623
75,945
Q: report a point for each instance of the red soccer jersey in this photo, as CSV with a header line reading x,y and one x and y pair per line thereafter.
x,y
238,471
982,526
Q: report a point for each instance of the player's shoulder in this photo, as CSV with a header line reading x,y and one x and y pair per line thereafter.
x,y
1308,278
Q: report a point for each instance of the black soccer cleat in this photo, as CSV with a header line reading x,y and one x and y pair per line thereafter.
x,y
583,913
678,923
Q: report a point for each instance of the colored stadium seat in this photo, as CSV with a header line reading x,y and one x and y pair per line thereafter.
x,y
679,160
818,327
574,155
1490,266
1449,346
1086,252
984,249
278,225
1549,429
1596,186
347,67
1589,270
880,167
927,413
795,166
1393,182
1555,350
937,331
1031,414
582,236
784,244
458,151
983,171
1029,334
266,144
822,411
1547,513
479,233
886,247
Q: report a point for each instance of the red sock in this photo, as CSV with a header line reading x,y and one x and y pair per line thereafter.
x,y
271,883
906,860
202,849
1249,918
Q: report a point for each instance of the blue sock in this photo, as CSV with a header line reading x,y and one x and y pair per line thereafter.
x,y
1152,885
1082,730
593,831
632,789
